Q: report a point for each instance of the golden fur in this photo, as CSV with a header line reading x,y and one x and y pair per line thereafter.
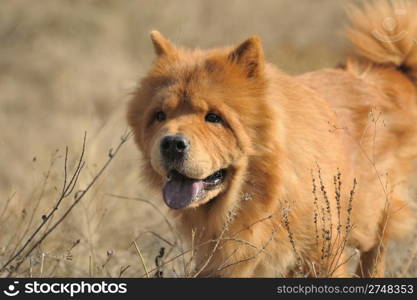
x,y
314,163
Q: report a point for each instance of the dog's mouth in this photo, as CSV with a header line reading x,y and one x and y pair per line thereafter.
x,y
179,191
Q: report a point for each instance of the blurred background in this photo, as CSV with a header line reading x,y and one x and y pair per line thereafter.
x,y
68,67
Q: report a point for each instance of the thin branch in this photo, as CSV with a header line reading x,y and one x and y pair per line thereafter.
x,y
45,218
142,260
10,198
198,246
212,252
38,201
66,192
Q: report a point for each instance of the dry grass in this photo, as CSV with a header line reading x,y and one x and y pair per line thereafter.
x,y
67,67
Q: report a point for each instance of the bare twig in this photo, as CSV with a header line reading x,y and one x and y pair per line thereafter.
x,y
202,244
123,269
66,191
10,198
205,264
171,227
64,194
259,251
38,201
142,260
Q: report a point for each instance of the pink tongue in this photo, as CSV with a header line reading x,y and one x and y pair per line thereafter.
x,y
180,191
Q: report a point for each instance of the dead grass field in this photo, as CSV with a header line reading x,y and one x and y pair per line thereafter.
x,y
68,67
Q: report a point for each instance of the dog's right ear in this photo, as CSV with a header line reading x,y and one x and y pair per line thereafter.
x,y
162,46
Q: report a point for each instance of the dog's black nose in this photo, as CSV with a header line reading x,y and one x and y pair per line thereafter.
x,y
174,147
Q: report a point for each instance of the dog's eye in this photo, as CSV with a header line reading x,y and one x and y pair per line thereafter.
x,y
160,116
213,118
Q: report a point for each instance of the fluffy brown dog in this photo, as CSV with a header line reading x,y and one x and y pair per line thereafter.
x,y
278,174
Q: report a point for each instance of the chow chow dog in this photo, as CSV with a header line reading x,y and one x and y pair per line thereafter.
x,y
278,175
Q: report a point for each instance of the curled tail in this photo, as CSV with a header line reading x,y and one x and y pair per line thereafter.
x,y
384,35
385,32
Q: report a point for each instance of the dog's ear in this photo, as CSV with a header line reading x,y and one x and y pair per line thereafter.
x,y
250,56
162,46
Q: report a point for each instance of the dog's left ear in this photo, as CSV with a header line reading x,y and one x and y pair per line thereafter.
x,y
250,56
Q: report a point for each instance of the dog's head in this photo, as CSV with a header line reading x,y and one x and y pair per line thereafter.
x,y
195,116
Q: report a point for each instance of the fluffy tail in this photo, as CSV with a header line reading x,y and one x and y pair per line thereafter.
x,y
385,32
